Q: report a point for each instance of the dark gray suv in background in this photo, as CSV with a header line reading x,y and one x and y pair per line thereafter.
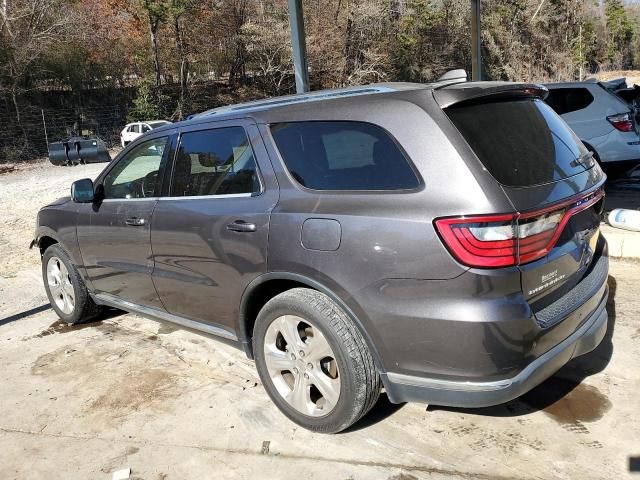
x,y
438,241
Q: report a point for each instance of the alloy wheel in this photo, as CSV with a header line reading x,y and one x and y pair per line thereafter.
x,y
60,285
302,365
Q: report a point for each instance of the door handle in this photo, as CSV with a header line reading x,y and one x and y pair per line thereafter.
x,y
135,221
241,226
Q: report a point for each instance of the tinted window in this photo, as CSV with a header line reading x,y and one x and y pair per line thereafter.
x,y
343,156
215,162
521,142
136,175
145,128
567,100
135,128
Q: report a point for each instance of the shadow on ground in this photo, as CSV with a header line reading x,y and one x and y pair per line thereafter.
x,y
380,411
25,314
105,315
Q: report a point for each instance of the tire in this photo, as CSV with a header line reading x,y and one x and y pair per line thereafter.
x,y
337,359
68,284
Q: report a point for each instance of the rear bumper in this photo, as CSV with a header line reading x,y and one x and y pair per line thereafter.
x,y
616,146
406,388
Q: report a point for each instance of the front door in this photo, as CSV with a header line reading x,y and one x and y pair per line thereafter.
x,y
114,233
209,237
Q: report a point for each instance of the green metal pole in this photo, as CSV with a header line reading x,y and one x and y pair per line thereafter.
x,y
296,22
476,50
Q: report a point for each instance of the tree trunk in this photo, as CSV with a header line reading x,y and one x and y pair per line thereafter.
x,y
154,25
14,100
349,60
184,65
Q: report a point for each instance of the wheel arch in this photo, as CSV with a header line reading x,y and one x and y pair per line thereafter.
x,y
267,286
45,239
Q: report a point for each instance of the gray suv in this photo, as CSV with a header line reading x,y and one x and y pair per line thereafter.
x,y
438,241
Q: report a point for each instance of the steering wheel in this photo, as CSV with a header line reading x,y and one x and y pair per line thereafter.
x,y
148,186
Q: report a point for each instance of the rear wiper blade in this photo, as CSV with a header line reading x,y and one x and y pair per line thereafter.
x,y
586,160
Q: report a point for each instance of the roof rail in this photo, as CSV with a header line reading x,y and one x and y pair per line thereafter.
x,y
298,98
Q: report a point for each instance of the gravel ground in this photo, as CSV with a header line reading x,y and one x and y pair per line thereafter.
x,y
82,402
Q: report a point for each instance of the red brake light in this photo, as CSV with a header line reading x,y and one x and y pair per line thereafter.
x,y
622,122
490,241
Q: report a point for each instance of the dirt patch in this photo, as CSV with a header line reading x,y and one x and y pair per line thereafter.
x,y
632,76
135,392
114,385
569,403
403,476
166,329
60,326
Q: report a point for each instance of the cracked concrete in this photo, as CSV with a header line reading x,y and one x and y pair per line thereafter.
x,y
82,402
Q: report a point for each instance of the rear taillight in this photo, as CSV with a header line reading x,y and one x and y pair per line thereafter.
x,y
622,122
489,241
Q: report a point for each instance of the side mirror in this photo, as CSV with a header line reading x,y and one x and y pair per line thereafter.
x,y
82,191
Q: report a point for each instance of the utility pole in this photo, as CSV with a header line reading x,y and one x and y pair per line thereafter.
x,y
580,52
476,44
298,42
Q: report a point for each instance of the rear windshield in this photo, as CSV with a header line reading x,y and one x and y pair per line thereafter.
x,y
343,156
520,142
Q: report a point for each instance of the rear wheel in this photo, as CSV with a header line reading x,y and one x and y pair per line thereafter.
x,y
313,361
65,288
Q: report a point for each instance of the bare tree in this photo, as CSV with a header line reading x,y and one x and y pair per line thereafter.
x,y
156,11
269,52
27,30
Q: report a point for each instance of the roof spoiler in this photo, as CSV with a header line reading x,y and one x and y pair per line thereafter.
x,y
481,92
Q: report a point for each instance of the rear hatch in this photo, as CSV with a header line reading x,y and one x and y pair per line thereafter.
x,y
551,180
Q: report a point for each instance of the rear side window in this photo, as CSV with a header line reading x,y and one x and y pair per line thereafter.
x,y
215,162
520,142
567,100
343,156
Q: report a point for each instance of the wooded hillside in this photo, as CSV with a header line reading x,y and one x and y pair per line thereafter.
x,y
174,57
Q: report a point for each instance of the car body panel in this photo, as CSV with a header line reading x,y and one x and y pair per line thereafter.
x,y
201,267
427,318
118,256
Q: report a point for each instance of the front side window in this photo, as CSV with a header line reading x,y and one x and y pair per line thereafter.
x,y
215,162
145,128
136,175
343,156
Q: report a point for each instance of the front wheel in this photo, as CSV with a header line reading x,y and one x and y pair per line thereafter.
x,y
313,361
65,288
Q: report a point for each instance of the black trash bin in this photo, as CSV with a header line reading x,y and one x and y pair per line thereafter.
x,y
76,150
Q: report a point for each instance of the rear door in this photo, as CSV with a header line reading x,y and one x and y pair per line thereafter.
x,y
209,234
551,180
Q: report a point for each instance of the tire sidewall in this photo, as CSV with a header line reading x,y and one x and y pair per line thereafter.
x,y
342,414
